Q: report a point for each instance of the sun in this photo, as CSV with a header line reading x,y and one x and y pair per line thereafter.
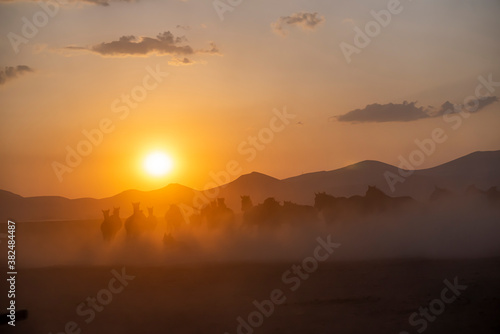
x,y
158,164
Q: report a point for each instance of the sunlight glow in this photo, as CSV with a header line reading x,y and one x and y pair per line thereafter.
x,y
158,164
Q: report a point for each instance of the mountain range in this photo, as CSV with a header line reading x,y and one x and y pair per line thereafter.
x,y
481,169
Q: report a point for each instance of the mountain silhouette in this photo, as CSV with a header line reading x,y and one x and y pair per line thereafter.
x,y
480,169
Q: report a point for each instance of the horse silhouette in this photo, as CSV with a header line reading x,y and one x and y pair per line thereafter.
x,y
151,220
135,224
174,219
217,214
267,214
247,208
492,195
111,224
271,213
375,201
116,220
246,203
297,214
107,226
440,194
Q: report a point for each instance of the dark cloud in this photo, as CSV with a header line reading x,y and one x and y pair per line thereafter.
x,y
301,19
474,106
486,101
444,108
11,72
408,111
165,43
181,61
404,112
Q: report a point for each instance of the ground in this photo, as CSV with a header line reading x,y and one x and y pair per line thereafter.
x,y
339,297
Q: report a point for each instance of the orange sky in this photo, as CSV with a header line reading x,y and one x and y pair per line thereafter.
x,y
226,81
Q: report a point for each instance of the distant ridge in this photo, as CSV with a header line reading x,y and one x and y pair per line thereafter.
x,y
254,180
481,169
485,160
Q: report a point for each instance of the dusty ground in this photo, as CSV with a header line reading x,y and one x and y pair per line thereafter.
x,y
344,297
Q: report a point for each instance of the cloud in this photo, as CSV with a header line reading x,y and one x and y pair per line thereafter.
x,y
213,49
408,111
486,101
181,62
165,43
92,2
480,104
11,72
301,19
183,27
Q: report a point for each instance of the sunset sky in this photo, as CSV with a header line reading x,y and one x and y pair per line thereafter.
x,y
228,79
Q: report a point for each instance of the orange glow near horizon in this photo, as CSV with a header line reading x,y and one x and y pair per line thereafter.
x,y
115,103
158,164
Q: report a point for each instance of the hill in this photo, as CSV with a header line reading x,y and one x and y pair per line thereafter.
x,y
479,168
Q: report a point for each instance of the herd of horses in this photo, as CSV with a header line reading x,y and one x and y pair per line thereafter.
x,y
271,213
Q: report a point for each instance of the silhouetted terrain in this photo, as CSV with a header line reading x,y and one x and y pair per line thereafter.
x,y
481,169
382,256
